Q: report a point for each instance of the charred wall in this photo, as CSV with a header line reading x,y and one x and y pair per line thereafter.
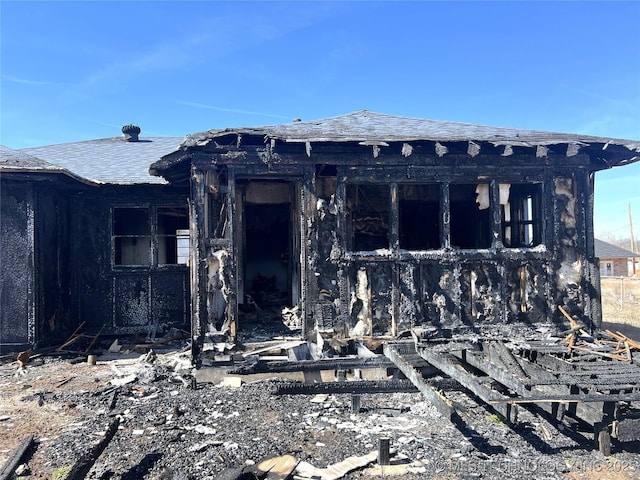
x,y
127,276
35,261
517,250
17,296
53,269
450,243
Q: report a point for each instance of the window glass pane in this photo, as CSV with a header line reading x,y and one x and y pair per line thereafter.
x,y
131,236
132,251
521,214
419,212
368,209
131,221
173,225
470,217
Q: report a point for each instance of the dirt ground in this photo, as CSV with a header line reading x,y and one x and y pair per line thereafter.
x,y
172,427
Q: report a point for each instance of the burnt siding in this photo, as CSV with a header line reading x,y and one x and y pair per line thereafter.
x,y
124,299
484,287
17,301
53,269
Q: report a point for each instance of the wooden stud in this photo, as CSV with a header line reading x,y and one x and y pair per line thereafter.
x,y
383,451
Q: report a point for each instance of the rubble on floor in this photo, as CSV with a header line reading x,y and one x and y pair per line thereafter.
x,y
243,418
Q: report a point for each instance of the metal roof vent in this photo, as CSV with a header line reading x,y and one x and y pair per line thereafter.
x,y
131,132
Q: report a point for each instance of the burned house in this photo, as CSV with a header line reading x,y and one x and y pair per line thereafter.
x,y
360,225
373,225
474,242
90,242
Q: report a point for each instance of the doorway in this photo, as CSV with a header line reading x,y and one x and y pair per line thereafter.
x,y
269,251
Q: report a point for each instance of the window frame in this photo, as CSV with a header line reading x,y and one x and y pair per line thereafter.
x,y
495,223
154,235
518,223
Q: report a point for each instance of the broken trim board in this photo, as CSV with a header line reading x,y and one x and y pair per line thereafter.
x,y
337,470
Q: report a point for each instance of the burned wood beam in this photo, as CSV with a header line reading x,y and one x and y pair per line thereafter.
x,y
572,398
442,403
627,430
16,457
450,365
353,387
587,412
311,365
499,350
81,467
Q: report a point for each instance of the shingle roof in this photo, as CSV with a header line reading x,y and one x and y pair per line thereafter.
x,y
606,250
367,128
21,162
15,160
109,160
364,125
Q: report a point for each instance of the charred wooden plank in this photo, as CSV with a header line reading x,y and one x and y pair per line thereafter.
x,y
451,366
81,467
627,430
311,365
353,387
572,398
505,355
16,457
590,413
442,403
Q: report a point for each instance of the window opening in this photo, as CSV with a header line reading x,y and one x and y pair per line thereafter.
x,y
368,208
521,214
470,217
419,215
132,236
173,236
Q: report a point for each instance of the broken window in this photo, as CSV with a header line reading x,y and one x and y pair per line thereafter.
x,y
134,228
132,236
419,216
521,214
368,206
470,217
173,236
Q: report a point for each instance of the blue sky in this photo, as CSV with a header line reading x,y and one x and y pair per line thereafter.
x,y
79,70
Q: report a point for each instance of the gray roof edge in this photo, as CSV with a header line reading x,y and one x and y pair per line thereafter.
x,y
608,250
290,132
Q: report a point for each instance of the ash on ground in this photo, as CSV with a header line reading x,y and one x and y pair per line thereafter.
x,y
175,427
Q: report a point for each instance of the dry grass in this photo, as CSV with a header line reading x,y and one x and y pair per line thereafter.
x,y
621,305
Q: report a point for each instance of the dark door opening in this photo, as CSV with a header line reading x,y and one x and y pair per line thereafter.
x,y
267,253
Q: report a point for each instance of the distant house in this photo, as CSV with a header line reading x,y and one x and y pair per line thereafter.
x,y
615,261
364,224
